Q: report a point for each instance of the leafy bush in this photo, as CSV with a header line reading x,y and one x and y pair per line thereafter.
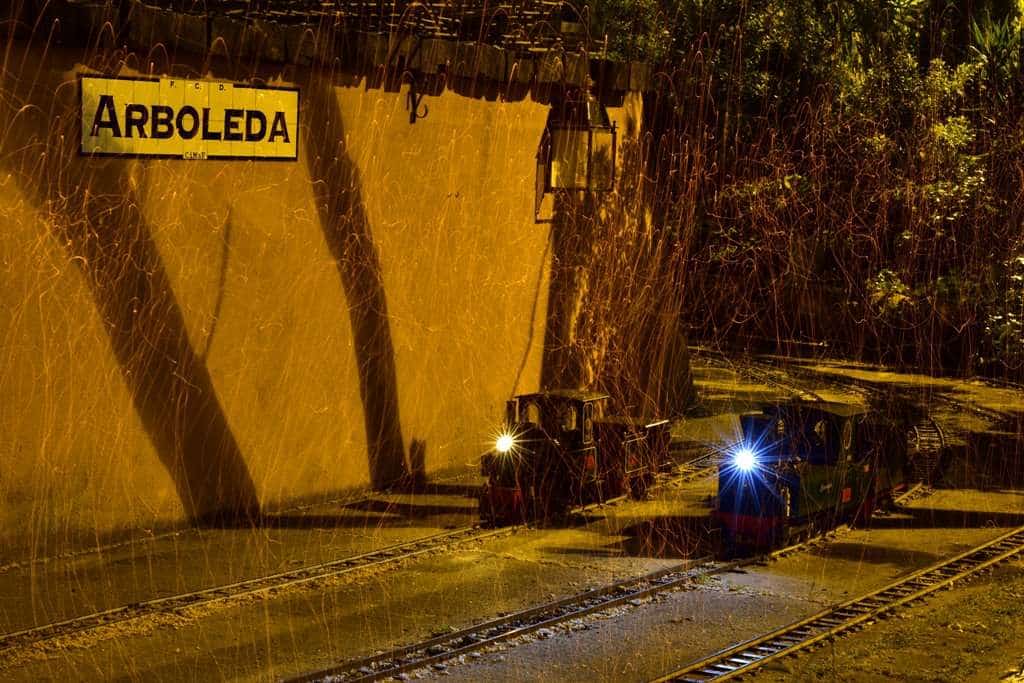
x,y
842,171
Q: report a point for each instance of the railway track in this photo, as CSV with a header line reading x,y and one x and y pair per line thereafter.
x,y
480,636
869,388
449,646
704,465
749,655
222,594
755,371
261,585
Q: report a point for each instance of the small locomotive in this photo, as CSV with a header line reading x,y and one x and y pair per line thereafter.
x,y
559,449
805,467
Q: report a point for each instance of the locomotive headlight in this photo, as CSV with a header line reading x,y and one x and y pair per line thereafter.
x,y
744,459
505,443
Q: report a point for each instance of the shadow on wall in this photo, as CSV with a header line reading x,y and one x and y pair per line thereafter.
x,y
95,207
336,191
95,214
572,235
95,210
613,319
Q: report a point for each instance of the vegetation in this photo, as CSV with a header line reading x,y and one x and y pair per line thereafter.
x,y
843,172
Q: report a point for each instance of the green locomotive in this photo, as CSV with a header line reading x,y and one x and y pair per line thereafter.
x,y
804,467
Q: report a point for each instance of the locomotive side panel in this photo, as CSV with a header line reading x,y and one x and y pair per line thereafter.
x,y
632,451
558,450
802,468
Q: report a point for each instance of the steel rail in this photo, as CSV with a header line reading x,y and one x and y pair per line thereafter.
x,y
745,657
485,634
915,492
696,468
263,584
479,636
757,373
296,577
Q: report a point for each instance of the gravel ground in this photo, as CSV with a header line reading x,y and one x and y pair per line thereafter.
x,y
643,642
331,621
971,633
43,592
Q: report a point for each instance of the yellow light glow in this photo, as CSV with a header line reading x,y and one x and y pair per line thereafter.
x,y
505,443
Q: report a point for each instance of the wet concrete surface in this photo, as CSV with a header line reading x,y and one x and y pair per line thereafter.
x,y
296,630
37,593
336,620
644,642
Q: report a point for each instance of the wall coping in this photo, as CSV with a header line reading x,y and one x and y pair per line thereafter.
x,y
251,42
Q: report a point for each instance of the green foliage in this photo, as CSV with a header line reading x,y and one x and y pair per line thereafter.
x,y
633,29
887,293
996,48
1004,323
847,170
954,180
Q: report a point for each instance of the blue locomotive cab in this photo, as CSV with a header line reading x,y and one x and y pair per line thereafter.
x,y
756,488
794,471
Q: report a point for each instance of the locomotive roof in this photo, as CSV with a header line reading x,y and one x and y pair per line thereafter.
x,y
569,394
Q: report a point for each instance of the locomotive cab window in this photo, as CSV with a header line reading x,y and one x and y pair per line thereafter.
x,y
847,438
531,413
569,421
588,423
822,442
512,412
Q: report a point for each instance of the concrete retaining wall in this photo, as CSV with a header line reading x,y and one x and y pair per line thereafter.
x,y
113,421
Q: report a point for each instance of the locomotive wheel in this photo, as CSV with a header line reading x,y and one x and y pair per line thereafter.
x,y
547,502
865,511
640,485
485,510
613,485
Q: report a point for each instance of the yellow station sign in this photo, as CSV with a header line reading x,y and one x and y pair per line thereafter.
x,y
174,118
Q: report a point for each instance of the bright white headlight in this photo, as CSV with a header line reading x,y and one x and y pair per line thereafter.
x,y
505,443
744,459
